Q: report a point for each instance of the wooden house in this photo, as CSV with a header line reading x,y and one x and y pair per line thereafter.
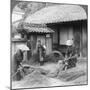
x,y
21,32
67,21
35,32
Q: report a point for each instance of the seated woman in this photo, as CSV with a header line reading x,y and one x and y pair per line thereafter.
x,y
71,56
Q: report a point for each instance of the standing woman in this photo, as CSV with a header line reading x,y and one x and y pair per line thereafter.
x,y
41,52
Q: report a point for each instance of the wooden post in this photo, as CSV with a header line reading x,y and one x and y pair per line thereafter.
x,y
25,56
48,44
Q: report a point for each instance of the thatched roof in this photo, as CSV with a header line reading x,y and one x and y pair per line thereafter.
x,y
58,13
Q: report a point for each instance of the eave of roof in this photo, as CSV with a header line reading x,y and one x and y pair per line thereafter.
x,y
35,28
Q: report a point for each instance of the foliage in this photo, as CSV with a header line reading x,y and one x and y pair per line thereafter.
x,y
30,7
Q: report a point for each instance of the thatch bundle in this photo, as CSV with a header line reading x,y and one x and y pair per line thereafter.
x,y
35,79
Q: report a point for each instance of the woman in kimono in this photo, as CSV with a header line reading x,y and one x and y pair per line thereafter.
x,y
41,52
18,57
71,56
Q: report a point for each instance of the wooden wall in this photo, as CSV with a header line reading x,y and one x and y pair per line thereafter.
x,y
80,37
48,45
76,30
84,47
55,36
44,41
66,33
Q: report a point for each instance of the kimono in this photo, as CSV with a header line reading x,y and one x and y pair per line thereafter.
x,y
72,54
18,57
41,53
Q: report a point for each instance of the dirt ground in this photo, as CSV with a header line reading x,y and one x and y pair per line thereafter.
x,y
74,76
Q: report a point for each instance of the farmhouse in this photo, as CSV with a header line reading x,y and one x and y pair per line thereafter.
x,y
67,22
